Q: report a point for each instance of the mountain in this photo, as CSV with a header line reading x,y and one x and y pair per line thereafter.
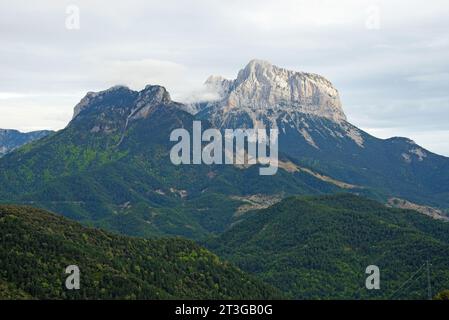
x,y
263,94
13,139
37,246
315,133
111,168
318,247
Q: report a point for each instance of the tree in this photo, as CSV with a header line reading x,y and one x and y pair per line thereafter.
x,y
443,295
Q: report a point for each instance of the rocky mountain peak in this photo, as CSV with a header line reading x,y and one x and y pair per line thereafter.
x,y
258,70
151,95
261,86
93,97
147,99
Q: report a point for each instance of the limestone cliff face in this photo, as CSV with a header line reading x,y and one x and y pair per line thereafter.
x,y
263,90
267,96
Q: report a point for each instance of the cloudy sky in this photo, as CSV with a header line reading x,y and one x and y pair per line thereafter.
x,y
389,59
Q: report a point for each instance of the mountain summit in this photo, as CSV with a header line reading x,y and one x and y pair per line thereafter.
x,y
265,92
136,103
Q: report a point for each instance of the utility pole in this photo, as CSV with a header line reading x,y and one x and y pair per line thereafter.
x,y
429,285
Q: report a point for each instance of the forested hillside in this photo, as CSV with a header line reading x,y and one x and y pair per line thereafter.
x,y
37,246
319,247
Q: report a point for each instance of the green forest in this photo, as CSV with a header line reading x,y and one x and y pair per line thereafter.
x,y
304,247
36,247
318,247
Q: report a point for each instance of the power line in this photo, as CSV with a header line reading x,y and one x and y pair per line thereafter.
x,y
429,285
407,281
410,284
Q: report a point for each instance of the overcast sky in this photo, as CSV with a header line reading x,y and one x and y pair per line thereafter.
x,y
389,59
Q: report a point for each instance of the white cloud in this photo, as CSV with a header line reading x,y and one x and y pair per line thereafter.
x,y
26,114
138,73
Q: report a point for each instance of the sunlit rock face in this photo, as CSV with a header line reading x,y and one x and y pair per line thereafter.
x,y
267,93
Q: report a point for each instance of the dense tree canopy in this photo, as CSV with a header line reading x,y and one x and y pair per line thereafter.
x,y
319,247
36,247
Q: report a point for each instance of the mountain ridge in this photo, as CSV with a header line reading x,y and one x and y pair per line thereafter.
x,y
261,86
11,139
331,145
110,167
